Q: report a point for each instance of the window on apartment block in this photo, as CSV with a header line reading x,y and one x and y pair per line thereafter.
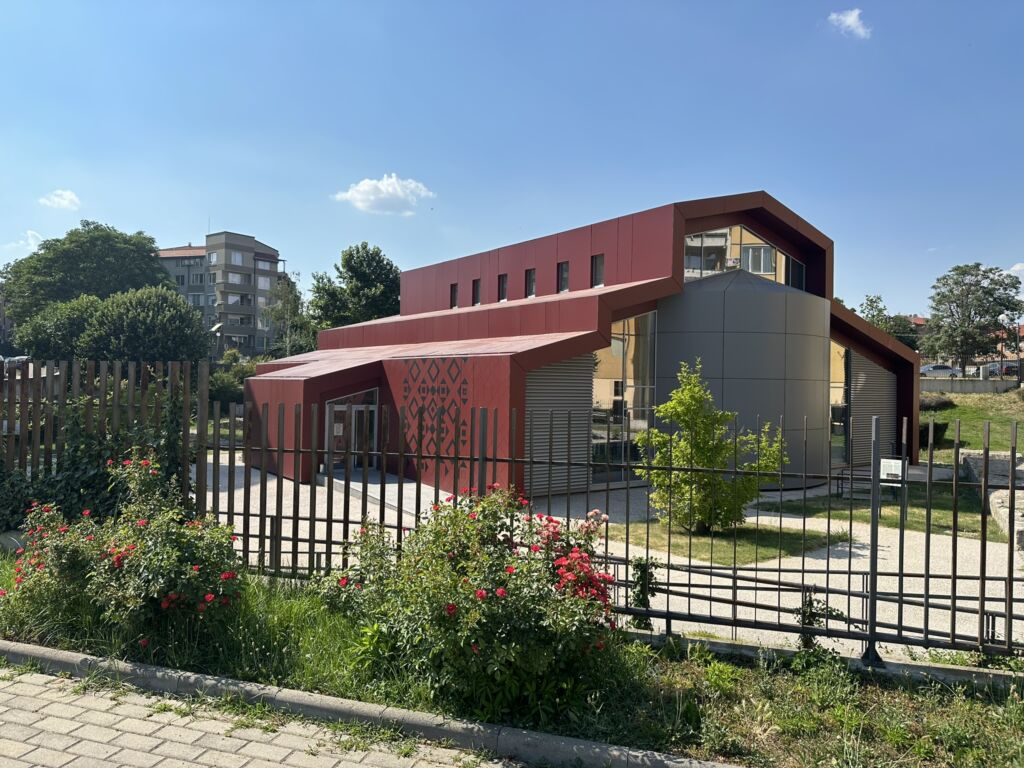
x,y
213,257
759,259
795,275
268,266
597,270
530,288
196,278
236,258
476,292
503,287
453,295
562,276
263,283
180,279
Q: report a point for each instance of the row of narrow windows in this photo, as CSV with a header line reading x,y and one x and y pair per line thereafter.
x,y
530,282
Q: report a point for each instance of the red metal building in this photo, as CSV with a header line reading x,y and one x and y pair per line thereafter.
x,y
472,331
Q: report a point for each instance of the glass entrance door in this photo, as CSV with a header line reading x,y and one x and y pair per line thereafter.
x,y
355,434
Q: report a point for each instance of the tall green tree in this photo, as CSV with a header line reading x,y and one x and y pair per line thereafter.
x,y
873,310
699,435
154,323
54,334
365,287
93,259
966,305
286,313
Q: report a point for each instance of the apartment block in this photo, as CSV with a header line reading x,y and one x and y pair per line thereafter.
x,y
229,280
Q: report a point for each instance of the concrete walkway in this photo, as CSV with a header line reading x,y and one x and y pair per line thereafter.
x,y
61,723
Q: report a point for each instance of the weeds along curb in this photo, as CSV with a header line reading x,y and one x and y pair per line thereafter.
x,y
527,746
905,671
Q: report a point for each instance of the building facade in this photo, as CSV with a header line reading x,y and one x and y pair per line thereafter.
x,y
230,280
580,334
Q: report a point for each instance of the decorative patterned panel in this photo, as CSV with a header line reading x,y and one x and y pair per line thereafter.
x,y
430,384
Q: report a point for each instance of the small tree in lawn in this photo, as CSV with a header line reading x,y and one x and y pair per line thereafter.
x,y
696,434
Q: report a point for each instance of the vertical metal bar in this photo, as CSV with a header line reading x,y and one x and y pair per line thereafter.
x,y
144,397
928,491
264,459
419,463
871,653
365,486
25,405
37,413
232,427
954,544
278,530
983,559
329,433
626,445
437,456
115,399
314,446
296,483
902,528
1011,536
90,382
382,464
494,446
471,455
130,410
346,514
457,443
11,384
550,456
101,408
202,425
482,454
215,480
186,423
159,387
48,437
828,528
248,452
62,395
400,473
568,467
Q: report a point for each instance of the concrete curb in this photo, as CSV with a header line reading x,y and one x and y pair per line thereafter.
x,y
515,743
908,671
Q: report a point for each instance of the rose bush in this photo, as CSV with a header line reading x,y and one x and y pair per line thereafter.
x,y
151,574
498,612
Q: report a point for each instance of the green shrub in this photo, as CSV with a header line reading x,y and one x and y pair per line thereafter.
x,y
499,614
149,577
936,401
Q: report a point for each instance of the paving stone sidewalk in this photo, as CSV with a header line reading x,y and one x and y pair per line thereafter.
x,y
64,723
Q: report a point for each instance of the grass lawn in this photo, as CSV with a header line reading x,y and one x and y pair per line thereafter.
x,y
973,411
751,543
809,711
968,514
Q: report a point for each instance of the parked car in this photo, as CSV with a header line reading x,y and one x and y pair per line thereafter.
x,y
976,371
1010,369
940,371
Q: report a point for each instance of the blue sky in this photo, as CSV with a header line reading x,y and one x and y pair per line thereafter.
x,y
896,131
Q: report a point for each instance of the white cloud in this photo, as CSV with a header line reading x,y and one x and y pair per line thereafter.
x,y
388,194
850,23
1017,268
28,242
61,198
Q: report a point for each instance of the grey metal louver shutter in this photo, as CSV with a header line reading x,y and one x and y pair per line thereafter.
x,y
872,393
552,394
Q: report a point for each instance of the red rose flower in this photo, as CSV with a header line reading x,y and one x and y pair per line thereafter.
x,y
145,462
343,581
142,523
144,642
86,512
451,608
510,569
472,515
500,592
195,568
210,597
481,594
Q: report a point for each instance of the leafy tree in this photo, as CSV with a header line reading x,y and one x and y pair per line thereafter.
x,y
294,330
54,334
873,310
94,259
153,323
966,304
365,287
700,435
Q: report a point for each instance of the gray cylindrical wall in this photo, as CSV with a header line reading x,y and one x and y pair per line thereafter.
x,y
764,350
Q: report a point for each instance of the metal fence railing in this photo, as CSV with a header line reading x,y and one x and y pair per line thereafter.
x,y
886,554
